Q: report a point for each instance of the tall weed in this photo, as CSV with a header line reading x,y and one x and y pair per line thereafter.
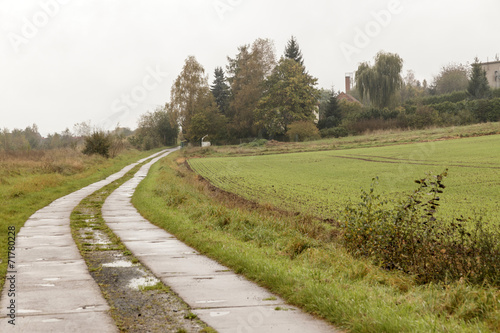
x,y
406,235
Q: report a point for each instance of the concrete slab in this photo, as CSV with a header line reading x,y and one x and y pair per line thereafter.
x,y
262,319
143,234
119,200
184,264
67,203
50,214
36,222
118,223
56,210
220,291
129,218
58,239
44,230
48,253
124,212
72,297
53,271
164,247
60,322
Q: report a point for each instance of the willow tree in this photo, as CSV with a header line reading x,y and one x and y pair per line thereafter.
x,y
380,82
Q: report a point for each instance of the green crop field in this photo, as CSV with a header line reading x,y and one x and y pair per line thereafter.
x,y
322,183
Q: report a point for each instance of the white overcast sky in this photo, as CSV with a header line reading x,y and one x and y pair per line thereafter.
x,y
109,61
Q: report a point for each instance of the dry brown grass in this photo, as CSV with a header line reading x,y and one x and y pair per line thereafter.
x,y
63,161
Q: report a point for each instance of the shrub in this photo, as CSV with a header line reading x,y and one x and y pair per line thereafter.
x,y
495,93
257,143
422,117
302,131
374,113
486,109
117,145
98,142
405,235
453,97
367,125
336,132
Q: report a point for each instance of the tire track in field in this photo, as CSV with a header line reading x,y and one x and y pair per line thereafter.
x,y
399,161
410,159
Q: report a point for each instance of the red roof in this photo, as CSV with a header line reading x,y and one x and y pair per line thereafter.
x,y
349,98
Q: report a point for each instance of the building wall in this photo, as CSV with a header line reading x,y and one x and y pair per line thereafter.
x,y
492,73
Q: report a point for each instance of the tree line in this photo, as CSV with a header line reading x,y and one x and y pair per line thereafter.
x,y
30,138
84,137
256,95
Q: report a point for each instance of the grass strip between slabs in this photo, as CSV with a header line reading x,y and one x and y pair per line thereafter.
x,y
301,259
139,301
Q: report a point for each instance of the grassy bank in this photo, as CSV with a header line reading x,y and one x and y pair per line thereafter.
x,y
300,259
31,180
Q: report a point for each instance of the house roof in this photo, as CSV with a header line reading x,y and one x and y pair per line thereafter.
x,y
348,98
491,62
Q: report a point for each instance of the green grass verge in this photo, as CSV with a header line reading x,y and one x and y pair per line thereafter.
x,y
26,190
300,259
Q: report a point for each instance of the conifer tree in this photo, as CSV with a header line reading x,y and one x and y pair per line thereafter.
x,y
478,84
292,51
220,90
332,115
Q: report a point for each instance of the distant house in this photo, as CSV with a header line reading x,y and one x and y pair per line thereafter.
x,y
348,85
316,114
492,73
348,98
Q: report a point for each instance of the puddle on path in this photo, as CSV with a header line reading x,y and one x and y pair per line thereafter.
x,y
119,263
142,282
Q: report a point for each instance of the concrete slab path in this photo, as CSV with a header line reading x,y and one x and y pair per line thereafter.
x,y
222,299
54,291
